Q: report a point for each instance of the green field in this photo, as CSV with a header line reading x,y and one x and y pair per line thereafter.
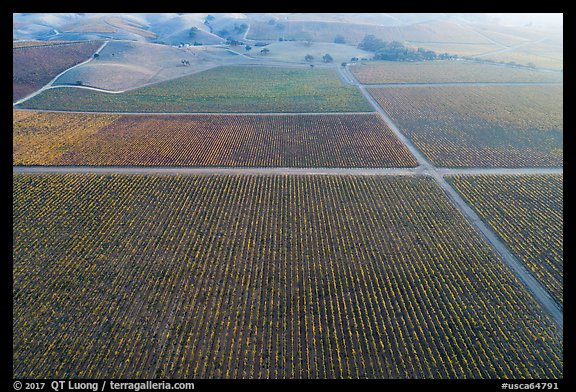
x,y
223,89
118,276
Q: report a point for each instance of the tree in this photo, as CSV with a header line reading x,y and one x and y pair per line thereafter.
x,y
446,56
344,64
96,55
339,39
248,48
371,43
231,41
394,51
241,29
327,58
193,31
309,58
265,51
396,45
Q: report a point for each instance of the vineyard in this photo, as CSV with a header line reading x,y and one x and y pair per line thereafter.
x,y
445,71
41,138
527,213
33,67
263,277
358,140
234,89
468,126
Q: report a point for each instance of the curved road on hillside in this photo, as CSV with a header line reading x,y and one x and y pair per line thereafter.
x,y
49,84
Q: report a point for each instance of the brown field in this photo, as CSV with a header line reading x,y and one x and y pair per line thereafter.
x,y
357,140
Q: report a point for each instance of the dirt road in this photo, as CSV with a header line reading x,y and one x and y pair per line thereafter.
x,y
534,287
49,84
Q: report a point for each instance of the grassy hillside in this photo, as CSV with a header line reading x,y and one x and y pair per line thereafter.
x,y
126,65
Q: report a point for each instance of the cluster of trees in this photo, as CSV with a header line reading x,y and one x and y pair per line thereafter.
x,y
396,51
238,30
327,58
193,31
339,39
233,42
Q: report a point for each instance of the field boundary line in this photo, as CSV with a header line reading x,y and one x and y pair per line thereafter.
x,y
223,170
203,113
456,84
